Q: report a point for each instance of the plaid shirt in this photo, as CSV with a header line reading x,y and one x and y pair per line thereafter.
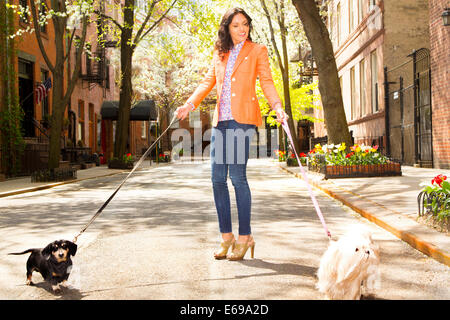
x,y
225,98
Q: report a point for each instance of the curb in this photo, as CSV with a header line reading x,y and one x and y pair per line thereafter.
x,y
414,241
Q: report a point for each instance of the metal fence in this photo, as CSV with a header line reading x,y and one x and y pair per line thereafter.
x,y
408,107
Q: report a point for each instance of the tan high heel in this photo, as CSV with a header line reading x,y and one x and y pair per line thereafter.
x,y
240,250
224,247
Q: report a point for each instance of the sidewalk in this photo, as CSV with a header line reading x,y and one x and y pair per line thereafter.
x,y
390,202
22,185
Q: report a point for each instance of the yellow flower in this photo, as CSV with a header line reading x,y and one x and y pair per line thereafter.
x,y
358,149
341,146
318,147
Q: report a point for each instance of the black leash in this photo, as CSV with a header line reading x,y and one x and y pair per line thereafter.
x,y
174,120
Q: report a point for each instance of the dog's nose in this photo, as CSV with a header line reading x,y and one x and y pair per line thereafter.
x,y
61,255
368,252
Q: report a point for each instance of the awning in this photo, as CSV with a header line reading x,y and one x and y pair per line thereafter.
x,y
144,110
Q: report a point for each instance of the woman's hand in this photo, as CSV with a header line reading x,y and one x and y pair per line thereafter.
x,y
281,115
183,111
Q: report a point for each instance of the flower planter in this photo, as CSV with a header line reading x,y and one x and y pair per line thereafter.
x,y
119,164
357,171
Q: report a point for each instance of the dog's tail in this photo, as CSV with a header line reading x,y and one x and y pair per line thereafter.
x,y
26,251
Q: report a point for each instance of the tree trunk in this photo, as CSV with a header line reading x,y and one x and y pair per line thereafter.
x,y
329,86
58,106
286,85
126,89
56,119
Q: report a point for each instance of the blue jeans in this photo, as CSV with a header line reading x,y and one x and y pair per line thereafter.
x,y
230,145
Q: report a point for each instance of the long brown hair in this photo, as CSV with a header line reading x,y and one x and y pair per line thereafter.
x,y
224,42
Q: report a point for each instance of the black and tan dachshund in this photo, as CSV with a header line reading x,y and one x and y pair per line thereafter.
x,y
53,262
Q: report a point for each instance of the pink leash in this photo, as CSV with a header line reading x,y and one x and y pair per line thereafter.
x,y
305,177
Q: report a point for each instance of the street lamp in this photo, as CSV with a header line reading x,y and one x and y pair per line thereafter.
x,y
446,17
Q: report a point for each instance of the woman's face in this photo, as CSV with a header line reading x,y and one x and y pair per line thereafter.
x,y
239,28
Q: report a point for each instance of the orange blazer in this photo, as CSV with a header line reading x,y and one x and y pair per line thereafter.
x,y
252,62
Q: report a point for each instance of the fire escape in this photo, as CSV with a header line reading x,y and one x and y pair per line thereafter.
x,y
97,65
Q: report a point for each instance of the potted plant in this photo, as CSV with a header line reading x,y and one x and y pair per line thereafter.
x,y
362,161
126,162
164,157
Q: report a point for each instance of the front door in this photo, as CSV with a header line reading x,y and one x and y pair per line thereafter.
x,y
26,97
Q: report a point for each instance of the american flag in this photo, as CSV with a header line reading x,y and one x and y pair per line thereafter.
x,y
41,90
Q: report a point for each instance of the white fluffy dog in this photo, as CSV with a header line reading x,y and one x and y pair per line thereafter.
x,y
348,264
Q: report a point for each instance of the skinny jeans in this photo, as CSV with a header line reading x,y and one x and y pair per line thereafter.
x,y
230,145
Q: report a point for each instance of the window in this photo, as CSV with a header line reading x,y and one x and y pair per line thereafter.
x,y
91,112
362,87
330,24
81,120
360,10
44,103
144,129
92,131
43,11
107,78
351,15
353,93
338,27
374,80
24,16
88,59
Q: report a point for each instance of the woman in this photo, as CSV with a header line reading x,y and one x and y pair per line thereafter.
x,y
237,62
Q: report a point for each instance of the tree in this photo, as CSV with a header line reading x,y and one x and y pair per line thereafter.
x,y
301,94
66,17
130,34
11,140
60,12
166,69
329,86
282,57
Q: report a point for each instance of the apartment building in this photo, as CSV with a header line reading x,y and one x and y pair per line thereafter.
x,y
376,43
85,130
440,81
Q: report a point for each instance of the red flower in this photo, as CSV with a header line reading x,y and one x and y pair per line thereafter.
x,y
128,154
439,179
302,155
349,154
292,155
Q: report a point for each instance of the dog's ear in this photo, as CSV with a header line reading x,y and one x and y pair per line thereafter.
x,y
47,251
72,248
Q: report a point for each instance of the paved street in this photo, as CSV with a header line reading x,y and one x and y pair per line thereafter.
x,y
156,238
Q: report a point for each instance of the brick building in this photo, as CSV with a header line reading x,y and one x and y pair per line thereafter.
x,y
440,83
378,47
